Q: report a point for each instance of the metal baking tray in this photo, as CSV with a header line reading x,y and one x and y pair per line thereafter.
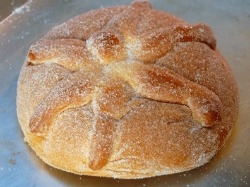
x,y
19,166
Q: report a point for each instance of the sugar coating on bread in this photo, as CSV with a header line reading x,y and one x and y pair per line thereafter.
x,y
126,92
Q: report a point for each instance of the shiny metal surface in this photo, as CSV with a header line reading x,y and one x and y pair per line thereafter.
x,y
19,166
8,6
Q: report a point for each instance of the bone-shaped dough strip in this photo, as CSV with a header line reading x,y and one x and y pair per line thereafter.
x,y
101,143
111,45
156,43
75,90
112,101
69,53
119,39
161,84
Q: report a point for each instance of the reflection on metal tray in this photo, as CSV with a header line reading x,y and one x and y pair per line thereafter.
x,y
7,7
19,166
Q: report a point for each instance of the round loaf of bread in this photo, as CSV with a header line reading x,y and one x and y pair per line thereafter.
x,y
126,92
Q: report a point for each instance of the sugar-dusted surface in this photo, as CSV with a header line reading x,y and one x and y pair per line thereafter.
x,y
236,171
112,68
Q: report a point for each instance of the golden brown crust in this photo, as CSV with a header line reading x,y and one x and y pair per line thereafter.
x,y
158,83
76,90
136,93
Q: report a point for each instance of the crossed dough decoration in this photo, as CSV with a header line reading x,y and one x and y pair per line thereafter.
x,y
114,71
